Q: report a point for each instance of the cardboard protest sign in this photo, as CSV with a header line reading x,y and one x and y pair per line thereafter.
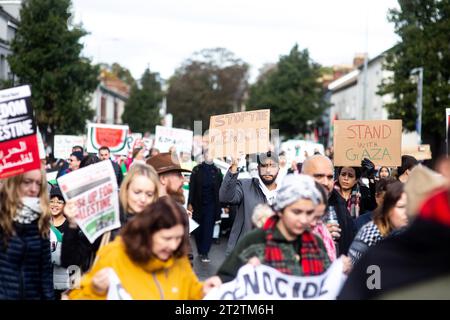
x,y
422,152
378,140
94,190
266,283
166,137
238,134
19,150
112,136
62,145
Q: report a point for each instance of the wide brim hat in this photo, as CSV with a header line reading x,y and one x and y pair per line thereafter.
x,y
166,162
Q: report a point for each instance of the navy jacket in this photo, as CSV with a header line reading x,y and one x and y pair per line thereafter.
x,y
26,271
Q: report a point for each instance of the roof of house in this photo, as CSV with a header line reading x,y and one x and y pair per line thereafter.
x,y
112,84
5,14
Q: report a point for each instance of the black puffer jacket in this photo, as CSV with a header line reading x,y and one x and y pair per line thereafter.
x,y
346,222
25,265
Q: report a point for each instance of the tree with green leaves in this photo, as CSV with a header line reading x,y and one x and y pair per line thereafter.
x,y
142,108
212,81
292,92
46,55
424,29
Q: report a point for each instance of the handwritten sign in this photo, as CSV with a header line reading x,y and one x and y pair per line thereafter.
x,y
422,152
238,134
378,140
166,137
114,137
265,283
19,150
94,190
62,145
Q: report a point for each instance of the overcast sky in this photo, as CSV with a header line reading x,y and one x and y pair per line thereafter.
x,y
163,33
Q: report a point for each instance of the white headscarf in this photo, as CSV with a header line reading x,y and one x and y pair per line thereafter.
x,y
296,187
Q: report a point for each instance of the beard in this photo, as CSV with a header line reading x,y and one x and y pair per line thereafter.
x,y
177,195
269,181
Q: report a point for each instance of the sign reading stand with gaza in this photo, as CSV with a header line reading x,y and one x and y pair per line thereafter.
x,y
378,140
114,137
238,134
19,151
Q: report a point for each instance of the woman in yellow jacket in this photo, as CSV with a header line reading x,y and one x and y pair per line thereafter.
x,y
149,259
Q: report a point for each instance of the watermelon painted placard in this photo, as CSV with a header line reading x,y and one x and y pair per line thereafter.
x,y
112,136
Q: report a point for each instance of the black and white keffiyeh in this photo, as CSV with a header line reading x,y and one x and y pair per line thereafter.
x,y
30,211
370,234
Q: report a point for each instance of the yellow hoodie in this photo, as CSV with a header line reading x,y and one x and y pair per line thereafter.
x,y
173,279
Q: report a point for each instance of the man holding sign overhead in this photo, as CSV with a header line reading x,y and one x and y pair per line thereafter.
x,y
235,135
247,193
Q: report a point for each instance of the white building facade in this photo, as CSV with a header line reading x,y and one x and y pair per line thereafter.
x,y
349,92
8,29
347,97
108,103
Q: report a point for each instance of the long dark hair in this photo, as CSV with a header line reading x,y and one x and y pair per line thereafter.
x,y
138,233
393,193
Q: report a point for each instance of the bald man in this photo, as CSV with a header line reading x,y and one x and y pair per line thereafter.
x,y
321,169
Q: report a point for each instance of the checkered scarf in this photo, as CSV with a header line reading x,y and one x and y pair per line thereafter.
x,y
311,258
354,201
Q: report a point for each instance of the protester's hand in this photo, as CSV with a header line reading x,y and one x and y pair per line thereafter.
x,y
189,207
189,213
100,281
71,211
234,165
347,264
254,261
334,230
369,167
211,283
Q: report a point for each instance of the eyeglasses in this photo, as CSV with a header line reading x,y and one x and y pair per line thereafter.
x,y
60,202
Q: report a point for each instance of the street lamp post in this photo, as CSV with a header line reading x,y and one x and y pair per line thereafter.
x,y
419,72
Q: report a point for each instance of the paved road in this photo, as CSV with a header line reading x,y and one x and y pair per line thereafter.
x,y
216,255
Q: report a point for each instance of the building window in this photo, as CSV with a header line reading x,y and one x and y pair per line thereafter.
x,y
116,112
103,109
2,67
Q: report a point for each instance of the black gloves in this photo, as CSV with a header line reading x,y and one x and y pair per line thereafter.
x,y
368,168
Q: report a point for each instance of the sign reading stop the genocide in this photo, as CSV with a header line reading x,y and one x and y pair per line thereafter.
x,y
238,134
378,140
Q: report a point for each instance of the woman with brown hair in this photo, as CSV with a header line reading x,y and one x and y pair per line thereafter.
x,y
149,259
391,216
25,263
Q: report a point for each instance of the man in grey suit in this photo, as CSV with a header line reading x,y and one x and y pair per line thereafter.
x,y
247,193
